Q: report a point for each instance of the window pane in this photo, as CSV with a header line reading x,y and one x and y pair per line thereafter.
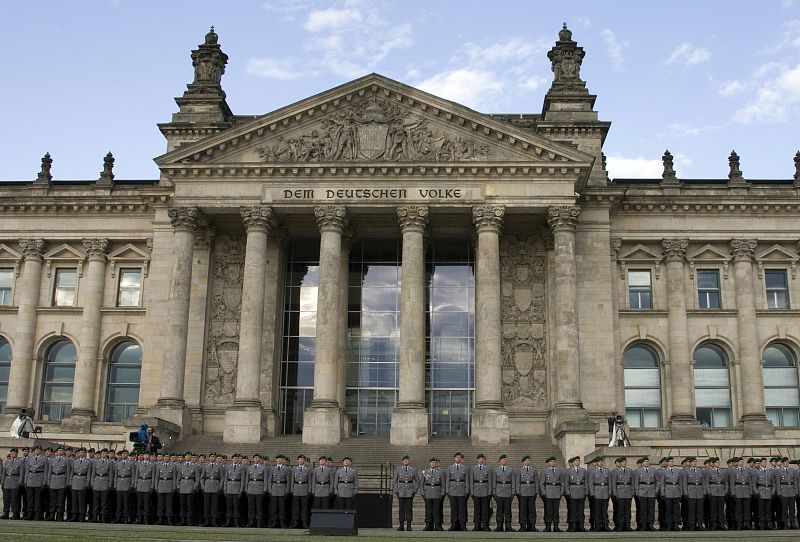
x,y
791,417
712,397
639,278
381,275
722,417
642,378
62,352
379,299
634,417
642,398
58,392
125,375
129,298
782,397
6,278
652,418
60,373
5,350
130,278
777,299
778,377
711,378
123,394
66,278
127,353
5,296
775,279
778,355
639,356
709,356
308,298
64,298
708,280
774,415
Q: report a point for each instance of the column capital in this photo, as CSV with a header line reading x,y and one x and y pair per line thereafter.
x,y
32,249
258,218
743,249
331,217
96,248
185,218
488,217
204,237
674,249
412,217
563,217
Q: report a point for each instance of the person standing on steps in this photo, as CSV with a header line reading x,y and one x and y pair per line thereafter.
x,y
575,491
503,489
433,493
321,484
210,484
644,486
457,490
527,485
598,483
255,488
346,485
301,489
405,483
622,493
551,488
480,490
278,487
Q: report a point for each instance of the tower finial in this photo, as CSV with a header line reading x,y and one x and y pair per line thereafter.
x,y
209,64
668,175
735,173
566,58
797,168
44,176
107,175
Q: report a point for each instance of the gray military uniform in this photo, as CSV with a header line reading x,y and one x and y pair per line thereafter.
x,y
123,475
433,490
188,479
321,482
346,482
255,479
405,482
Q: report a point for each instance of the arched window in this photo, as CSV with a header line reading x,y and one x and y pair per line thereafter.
x,y
5,369
712,386
59,376
781,393
124,377
642,386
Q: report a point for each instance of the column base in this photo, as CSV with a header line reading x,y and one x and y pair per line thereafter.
x,y
756,426
345,424
410,427
322,424
568,413
175,413
685,427
243,424
78,422
490,426
576,438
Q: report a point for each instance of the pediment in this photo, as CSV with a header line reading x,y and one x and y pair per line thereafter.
x,y
9,254
64,252
709,253
128,252
375,119
778,254
640,253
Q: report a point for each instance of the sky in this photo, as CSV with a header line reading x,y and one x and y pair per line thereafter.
x,y
700,78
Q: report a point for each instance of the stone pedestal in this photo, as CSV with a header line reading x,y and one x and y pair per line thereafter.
x,y
322,425
176,413
576,438
410,426
489,426
244,425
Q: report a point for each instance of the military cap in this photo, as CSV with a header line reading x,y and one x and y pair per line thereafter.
x,y
775,458
732,460
37,447
503,456
90,450
713,459
551,458
301,456
348,458
321,458
257,455
406,457
432,460
236,454
639,461
707,461
13,450
525,457
265,458
26,449
598,458
68,448
48,449
751,459
571,459
668,458
691,458
644,458
620,459
784,459
662,460
60,448
458,454
480,455
81,449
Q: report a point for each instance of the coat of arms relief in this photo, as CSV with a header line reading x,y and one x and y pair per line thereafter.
x,y
222,343
373,129
524,343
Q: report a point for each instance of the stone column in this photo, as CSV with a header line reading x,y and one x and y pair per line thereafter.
x,y
244,422
344,279
410,425
489,418
682,421
171,405
754,419
19,381
322,418
92,284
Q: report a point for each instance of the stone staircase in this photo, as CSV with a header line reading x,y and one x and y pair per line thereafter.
x,y
375,458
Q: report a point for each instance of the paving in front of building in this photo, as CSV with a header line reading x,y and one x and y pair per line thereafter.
x,y
377,262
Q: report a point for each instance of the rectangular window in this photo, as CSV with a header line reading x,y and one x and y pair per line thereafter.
x,y
640,293
64,291
708,292
777,289
6,282
130,288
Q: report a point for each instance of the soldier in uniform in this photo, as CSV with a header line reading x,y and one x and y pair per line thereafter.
x,y
644,486
456,489
34,476
234,485
503,489
740,487
123,481
730,504
301,489
188,482
144,475
80,470
25,452
692,487
57,482
671,490
433,491
255,487
165,485
598,483
278,487
551,488
101,483
321,485
405,483
346,485
786,489
10,474
621,481
763,479
575,491
480,491
715,485
211,480
527,484
660,504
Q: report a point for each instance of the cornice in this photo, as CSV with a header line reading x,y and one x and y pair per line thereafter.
x,y
714,205
82,205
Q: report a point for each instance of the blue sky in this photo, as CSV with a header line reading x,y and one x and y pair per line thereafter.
x,y
81,78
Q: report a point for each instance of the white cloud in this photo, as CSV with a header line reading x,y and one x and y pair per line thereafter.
x,y
729,88
622,167
689,130
532,83
582,22
273,68
614,48
516,48
775,100
470,87
688,55
332,19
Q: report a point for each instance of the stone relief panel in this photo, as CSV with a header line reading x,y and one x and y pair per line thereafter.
x,y
222,343
374,129
524,345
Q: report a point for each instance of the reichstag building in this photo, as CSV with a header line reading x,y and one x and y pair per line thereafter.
x,y
375,260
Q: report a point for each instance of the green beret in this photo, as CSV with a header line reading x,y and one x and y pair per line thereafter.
x,y
406,457
733,460
784,459
598,458
503,456
662,460
775,458
458,454
644,458
669,458
691,458
751,459
481,456
550,458
639,461
433,459
620,459
526,457
571,459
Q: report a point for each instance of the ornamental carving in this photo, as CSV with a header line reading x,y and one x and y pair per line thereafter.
x,y
222,345
674,249
95,248
32,248
524,345
564,217
331,217
258,218
374,129
743,249
184,218
488,217
412,217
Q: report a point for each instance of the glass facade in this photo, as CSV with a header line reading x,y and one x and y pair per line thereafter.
x,y
450,330
59,376
712,387
642,386
5,370
124,378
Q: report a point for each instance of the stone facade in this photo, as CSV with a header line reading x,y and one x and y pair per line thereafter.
x,y
554,240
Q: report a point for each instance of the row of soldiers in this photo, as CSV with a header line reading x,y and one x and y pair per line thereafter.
x,y
175,489
747,495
